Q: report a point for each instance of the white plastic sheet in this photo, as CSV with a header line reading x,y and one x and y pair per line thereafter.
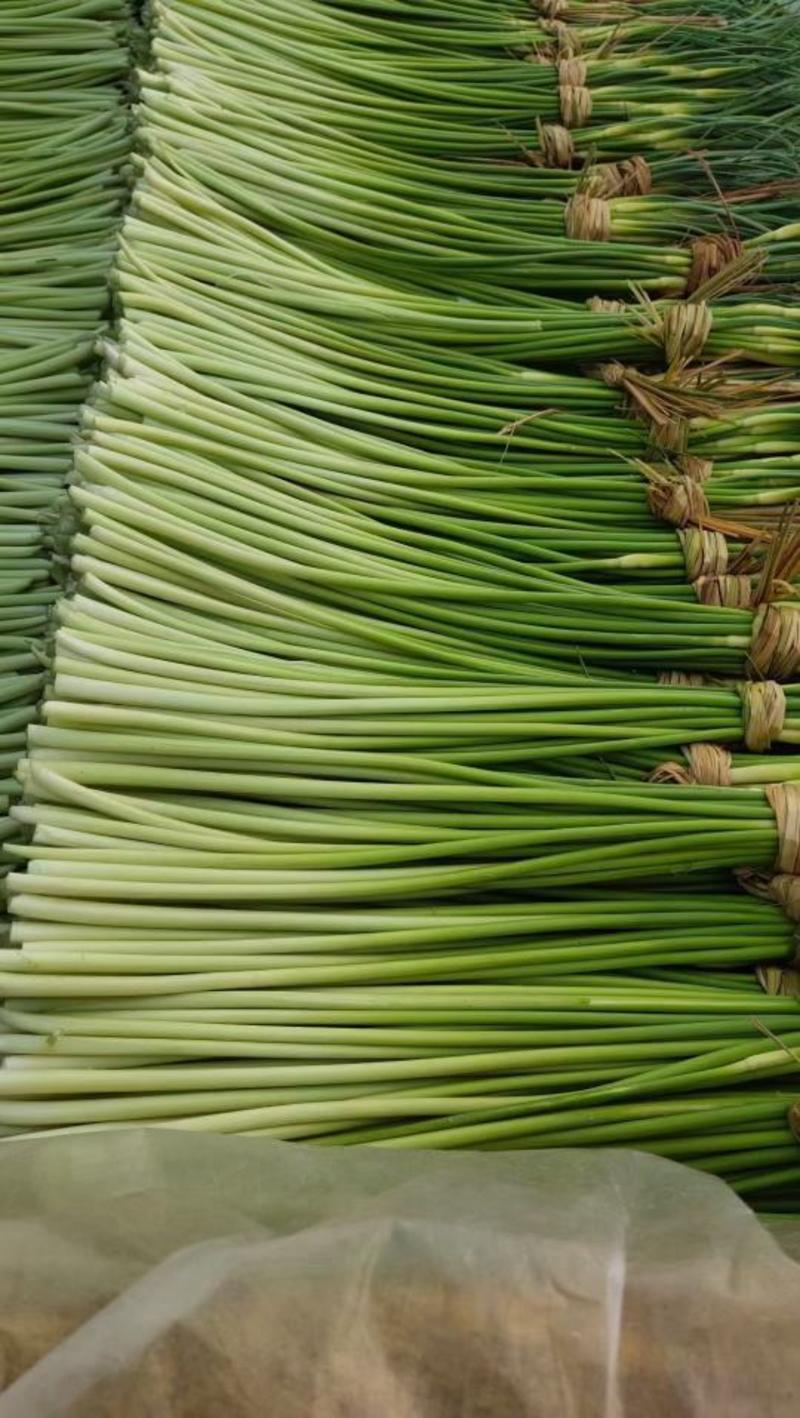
x,y
160,1274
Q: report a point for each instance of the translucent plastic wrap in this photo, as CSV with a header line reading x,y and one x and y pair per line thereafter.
x,y
157,1274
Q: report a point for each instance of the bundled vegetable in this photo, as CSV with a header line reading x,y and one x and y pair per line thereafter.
x,y
385,523
649,1062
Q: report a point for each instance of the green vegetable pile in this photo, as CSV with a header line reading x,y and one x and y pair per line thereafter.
x,y
427,693
63,141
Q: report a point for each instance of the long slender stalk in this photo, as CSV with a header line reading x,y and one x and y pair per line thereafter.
x,y
63,142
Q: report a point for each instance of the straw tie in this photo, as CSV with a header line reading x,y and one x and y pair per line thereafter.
x,y
587,218
575,100
699,469
705,553
764,713
557,145
615,374
783,888
784,799
710,255
708,766
587,214
775,980
679,500
684,330
734,592
660,402
775,643
601,306
629,178
574,97
783,885
567,40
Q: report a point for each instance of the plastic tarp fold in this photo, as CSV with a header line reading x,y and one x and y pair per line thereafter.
x,y
161,1274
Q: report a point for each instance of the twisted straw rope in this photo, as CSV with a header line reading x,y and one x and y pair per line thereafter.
x,y
710,255
705,553
735,592
587,218
556,143
631,177
708,765
684,330
775,980
784,799
568,41
680,500
775,643
783,887
764,713
587,214
574,97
